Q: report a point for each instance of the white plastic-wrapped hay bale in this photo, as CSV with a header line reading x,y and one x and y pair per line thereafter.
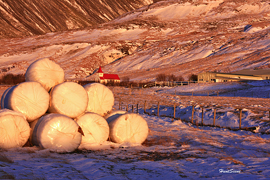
x,y
68,98
46,72
29,98
14,129
57,133
114,115
129,128
3,98
101,98
32,127
95,129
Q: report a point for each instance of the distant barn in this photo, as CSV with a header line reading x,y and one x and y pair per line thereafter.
x,y
243,75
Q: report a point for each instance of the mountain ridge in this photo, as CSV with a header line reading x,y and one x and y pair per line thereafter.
x,y
22,18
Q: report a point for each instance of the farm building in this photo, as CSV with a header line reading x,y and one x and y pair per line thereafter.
x,y
101,77
243,75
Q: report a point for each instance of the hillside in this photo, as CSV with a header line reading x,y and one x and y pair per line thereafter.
x,y
25,18
171,37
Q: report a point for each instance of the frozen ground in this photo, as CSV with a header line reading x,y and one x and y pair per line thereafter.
x,y
173,150
230,89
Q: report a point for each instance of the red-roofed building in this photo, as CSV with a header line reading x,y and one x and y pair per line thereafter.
x,y
105,78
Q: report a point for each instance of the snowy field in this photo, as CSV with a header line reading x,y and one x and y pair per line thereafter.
x,y
231,89
174,149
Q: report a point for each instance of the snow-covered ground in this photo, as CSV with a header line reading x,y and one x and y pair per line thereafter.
x,y
174,149
232,89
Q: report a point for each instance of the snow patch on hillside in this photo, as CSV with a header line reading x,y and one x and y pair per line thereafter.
x,y
254,8
182,11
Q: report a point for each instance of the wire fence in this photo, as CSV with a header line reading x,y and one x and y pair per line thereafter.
x,y
143,101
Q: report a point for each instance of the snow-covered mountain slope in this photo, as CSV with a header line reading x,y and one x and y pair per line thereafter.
x,y
23,18
171,37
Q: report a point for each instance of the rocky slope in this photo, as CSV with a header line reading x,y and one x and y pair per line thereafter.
x,y
34,17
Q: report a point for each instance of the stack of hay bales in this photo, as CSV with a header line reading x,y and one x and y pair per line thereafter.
x,y
64,116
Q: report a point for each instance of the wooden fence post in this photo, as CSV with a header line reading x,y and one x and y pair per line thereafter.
x,y
240,118
144,107
269,114
127,107
132,108
158,109
202,115
120,104
192,115
214,121
137,108
174,111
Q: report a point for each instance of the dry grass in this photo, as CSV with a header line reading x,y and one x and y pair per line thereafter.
x,y
4,175
160,140
159,156
231,159
4,158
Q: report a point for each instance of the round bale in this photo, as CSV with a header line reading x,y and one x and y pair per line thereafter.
x,y
4,99
129,128
32,127
95,129
57,133
68,98
114,115
29,98
15,129
101,98
46,72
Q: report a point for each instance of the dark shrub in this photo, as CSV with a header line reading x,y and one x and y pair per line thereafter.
x,y
124,81
180,78
193,77
12,79
161,77
172,78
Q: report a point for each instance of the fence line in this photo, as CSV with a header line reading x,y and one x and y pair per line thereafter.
x,y
169,83
192,115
